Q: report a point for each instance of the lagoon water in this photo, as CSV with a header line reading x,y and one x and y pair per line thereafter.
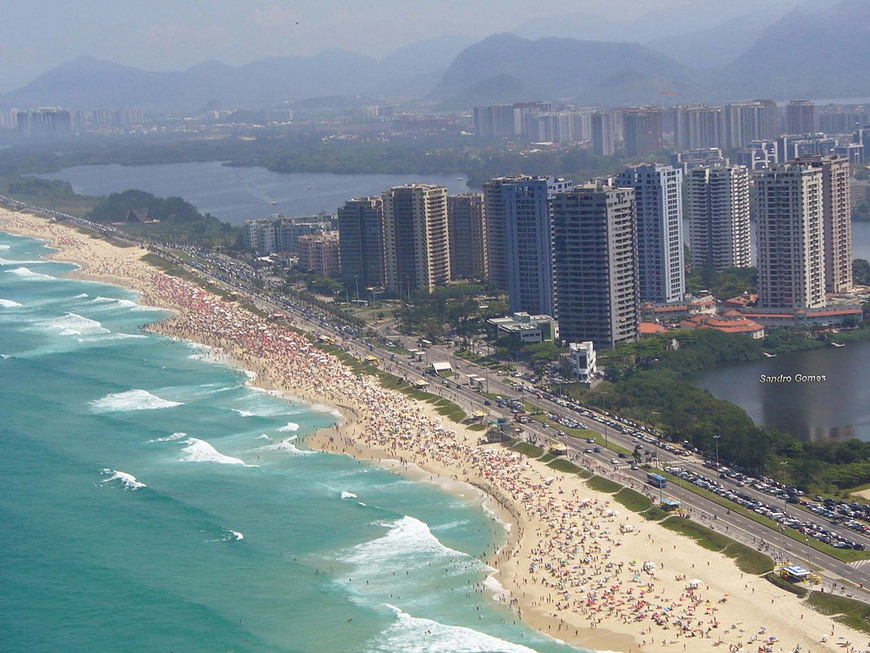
x,y
237,194
153,501
820,394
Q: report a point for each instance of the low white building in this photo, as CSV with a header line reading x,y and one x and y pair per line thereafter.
x,y
526,328
584,360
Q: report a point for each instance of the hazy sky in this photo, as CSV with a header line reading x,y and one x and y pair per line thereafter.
x,y
175,34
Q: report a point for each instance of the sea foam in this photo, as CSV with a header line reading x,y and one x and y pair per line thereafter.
x,y
200,451
406,538
170,438
286,446
417,635
130,400
127,481
348,495
8,303
124,303
290,426
27,273
73,324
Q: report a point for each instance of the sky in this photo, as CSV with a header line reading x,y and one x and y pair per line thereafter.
x,y
38,35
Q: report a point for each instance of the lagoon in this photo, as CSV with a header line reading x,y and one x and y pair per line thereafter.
x,y
235,194
816,395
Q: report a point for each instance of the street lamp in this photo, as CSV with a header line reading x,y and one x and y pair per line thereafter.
x,y
356,279
716,439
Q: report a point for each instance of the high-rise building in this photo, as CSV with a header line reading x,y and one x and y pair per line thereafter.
x,y
718,212
467,227
416,242
800,117
841,119
750,121
497,121
659,205
529,243
496,235
837,219
361,234
45,122
642,131
595,243
791,251
699,127
603,136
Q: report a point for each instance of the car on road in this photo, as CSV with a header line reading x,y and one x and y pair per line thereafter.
x,y
597,449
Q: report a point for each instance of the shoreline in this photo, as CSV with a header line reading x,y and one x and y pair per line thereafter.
x,y
571,563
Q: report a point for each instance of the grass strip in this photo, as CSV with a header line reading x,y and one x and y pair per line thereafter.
x,y
566,466
529,450
602,484
634,501
748,560
849,612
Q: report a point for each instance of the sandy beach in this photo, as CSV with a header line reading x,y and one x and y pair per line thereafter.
x,y
577,565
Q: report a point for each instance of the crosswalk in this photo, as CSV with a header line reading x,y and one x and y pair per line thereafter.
x,y
859,563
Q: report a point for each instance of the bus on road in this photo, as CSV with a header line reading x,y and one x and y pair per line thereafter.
x,y
656,480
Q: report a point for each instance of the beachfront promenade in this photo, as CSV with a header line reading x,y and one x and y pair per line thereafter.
x,y
575,566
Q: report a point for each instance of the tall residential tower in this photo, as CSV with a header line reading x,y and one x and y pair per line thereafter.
x,y
791,252
361,237
467,222
416,245
718,212
659,201
595,242
529,243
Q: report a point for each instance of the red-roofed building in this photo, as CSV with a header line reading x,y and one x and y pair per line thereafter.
x,y
739,325
802,317
648,329
740,301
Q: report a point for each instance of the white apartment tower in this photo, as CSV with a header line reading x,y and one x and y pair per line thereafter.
x,y
791,250
718,212
837,218
659,200
416,243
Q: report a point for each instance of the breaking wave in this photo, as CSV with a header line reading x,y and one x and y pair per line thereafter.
x,y
200,451
127,481
130,400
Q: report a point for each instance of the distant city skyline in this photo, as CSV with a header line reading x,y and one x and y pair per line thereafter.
x,y
163,35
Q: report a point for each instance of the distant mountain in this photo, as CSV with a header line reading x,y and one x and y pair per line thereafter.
x,y
714,47
558,68
88,83
499,89
808,53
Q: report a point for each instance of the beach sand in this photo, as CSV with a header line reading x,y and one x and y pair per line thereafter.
x,y
574,564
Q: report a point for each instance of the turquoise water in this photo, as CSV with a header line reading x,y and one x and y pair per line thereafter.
x,y
152,501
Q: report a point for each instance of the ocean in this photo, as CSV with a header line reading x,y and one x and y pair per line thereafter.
x,y
152,500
